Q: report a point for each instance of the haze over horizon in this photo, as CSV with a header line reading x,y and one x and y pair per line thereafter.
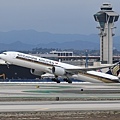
x,y
54,16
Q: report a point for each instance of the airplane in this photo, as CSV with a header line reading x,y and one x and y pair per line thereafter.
x,y
39,66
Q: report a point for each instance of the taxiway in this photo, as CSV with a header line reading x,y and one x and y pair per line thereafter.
x,y
59,101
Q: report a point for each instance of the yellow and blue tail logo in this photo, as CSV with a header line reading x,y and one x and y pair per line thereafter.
x,y
114,70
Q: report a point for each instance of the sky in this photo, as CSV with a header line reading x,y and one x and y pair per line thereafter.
x,y
54,16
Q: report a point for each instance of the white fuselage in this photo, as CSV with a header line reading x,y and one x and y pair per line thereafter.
x,y
34,62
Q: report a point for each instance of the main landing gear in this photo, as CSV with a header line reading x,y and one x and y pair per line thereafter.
x,y
55,80
64,79
58,81
67,80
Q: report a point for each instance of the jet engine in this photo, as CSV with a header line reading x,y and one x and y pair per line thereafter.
x,y
58,71
36,72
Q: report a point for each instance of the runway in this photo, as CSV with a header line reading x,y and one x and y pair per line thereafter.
x,y
63,91
59,101
58,106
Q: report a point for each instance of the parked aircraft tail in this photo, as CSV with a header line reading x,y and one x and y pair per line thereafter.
x,y
115,70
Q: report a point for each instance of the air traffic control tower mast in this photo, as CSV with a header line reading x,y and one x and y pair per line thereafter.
x,y
106,18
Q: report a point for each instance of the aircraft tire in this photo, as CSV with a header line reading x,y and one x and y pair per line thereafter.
x,y
70,82
58,81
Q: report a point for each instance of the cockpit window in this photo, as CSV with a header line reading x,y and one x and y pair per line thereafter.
x,y
4,53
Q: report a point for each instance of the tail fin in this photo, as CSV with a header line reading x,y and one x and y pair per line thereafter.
x,y
114,70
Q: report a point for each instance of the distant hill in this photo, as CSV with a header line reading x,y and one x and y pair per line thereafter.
x,y
16,46
78,45
28,39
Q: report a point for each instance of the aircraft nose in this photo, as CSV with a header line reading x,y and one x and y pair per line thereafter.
x,y
2,56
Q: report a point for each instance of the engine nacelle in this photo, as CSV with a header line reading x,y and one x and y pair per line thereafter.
x,y
58,71
36,72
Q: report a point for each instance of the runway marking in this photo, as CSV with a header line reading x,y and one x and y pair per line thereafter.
x,y
40,109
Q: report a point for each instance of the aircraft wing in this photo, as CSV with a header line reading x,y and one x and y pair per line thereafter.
x,y
84,69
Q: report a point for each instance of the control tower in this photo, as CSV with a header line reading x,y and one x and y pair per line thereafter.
x,y
106,18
